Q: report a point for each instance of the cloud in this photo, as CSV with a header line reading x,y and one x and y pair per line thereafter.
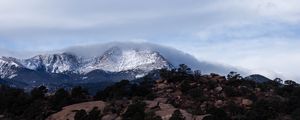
x,y
275,58
174,56
251,34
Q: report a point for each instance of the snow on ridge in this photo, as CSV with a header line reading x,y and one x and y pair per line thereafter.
x,y
116,60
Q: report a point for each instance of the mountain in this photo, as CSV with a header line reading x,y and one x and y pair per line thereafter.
x,y
258,78
108,63
116,60
113,60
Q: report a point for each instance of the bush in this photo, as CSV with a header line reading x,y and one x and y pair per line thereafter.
x,y
196,93
231,91
135,111
80,115
218,114
38,93
60,99
79,94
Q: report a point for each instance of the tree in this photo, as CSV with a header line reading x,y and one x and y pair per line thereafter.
x,y
135,111
234,76
267,109
197,75
94,114
278,80
37,110
184,69
296,114
177,115
152,116
231,91
185,86
13,101
196,93
60,99
290,83
209,117
165,74
78,94
80,115
218,114
38,93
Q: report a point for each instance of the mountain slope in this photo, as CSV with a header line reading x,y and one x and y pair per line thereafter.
x,y
258,78
9,67
55,63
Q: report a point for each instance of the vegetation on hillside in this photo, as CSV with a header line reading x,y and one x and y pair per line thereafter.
x,y
213,96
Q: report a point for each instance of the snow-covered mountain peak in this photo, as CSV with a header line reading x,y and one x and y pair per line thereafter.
x,y
53,63
117,59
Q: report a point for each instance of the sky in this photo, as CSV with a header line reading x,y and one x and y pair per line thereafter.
x,y
260,35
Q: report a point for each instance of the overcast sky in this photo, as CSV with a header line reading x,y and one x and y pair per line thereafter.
x,y
260,35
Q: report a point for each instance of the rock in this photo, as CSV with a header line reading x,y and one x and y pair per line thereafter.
x,y
110,117
161,100
170,90
162,86
219,103
165,81
177,93
159,81
193,84
257,89
219,89
247,102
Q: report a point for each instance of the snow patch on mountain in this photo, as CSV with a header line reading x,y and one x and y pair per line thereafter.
x,y
116,60
8,66
55,63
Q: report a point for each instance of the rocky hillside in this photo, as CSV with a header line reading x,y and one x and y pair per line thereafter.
x,y
180,94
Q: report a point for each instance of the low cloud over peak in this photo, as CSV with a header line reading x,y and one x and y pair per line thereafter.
x,y
174,56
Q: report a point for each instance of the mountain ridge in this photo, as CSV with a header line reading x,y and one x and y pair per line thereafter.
x,y
113,60
110,64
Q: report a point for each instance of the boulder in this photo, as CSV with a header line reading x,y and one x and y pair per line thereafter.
x,y
218,89
247,102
